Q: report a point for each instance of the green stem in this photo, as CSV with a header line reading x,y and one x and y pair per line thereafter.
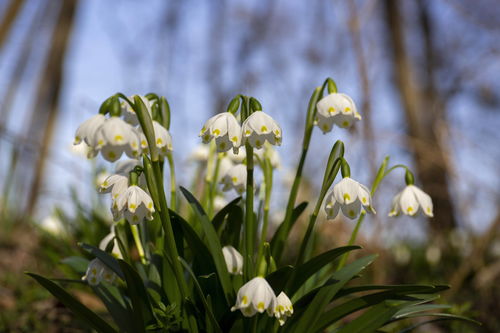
x,y
268,181
208,177
170,239
138,243
312,220
173,196
213,187
249,218
354,234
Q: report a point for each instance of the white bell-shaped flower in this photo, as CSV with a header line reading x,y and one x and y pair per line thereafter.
x,y
234,260
116,184
259,128
163,139
349,196
199,153
134,204
225,129
271,154
108,238
128,112
87,131
236,178
283,309
237,158
338,109
255,296
410,201
98,272
116,137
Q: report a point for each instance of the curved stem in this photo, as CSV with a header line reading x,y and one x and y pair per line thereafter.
x,y
138,243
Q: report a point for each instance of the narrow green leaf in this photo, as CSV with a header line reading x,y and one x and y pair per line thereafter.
x,y
219,217
115,304
372,319
138,296
279,278
326,293
208,309
213,244
440,317
78,264
303,272
297,211
106,258
74,305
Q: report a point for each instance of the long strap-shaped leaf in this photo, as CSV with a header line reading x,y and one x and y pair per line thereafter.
x,y
309,268
74,305
213,244
325,294
107,259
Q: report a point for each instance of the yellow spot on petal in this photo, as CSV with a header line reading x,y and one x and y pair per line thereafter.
x,y
144,142
331,110
281,308
105,183
135,218
258,143
100,142
347,197
112,155
325,127
247,132
277,132
352,213
93,271
345,123
150,205
206,137
234,179
244,300
409,209
216,131
118,138
234,269
261,306
222,145
263,129
429,210
234,139
347,109
159,141
363,200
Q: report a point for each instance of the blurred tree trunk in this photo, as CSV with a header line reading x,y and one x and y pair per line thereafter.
x,y
8,18
46,104
424,111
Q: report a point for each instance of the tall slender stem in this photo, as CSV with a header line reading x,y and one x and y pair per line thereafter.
x,y
249,219
173,195
268,180
138,243
305,242
354,234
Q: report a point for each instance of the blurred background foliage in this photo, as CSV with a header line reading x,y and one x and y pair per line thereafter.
x,y
424,75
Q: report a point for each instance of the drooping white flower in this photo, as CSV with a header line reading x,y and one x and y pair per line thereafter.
x,y
410,201
259,128
199,153
219,202
81,149
87,131
53,225
283,309
338,109
97,272
255,296
128,112
225,129
237,158
349,196
234,260
134,204
225,165
271,154
116,137
162,137
236,178
116,184
108,238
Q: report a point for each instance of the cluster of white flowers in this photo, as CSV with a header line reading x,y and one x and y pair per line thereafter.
x,y
113,136
227,132
97,272
257,296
